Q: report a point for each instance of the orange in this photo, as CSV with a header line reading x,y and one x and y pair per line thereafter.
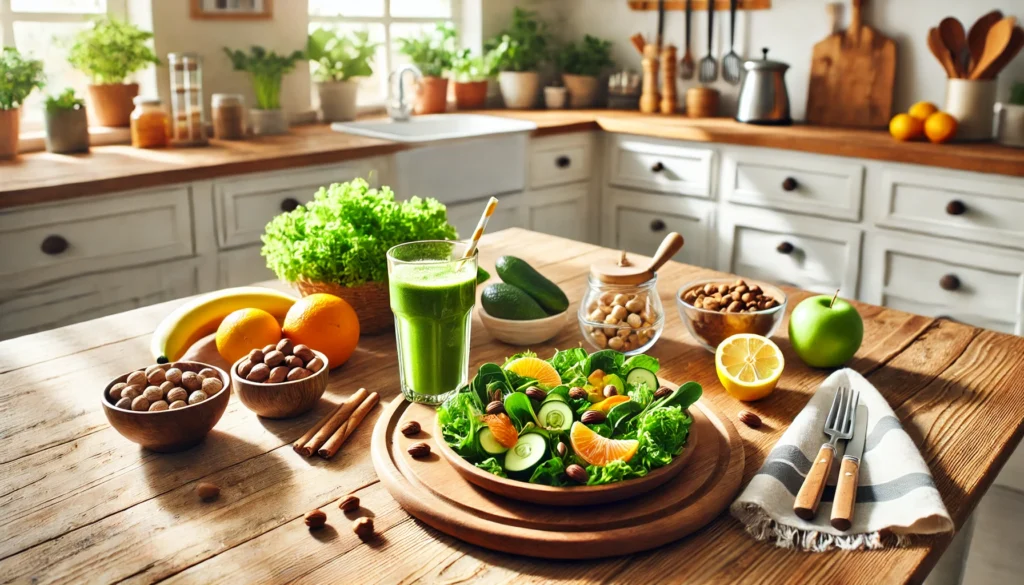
x,y
597,450
243,331
325,323
940,127
921,110
502,428
607,404
536,368
905,127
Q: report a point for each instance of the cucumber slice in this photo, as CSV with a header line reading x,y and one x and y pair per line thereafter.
x,y
555,397
636,376
489,443
530,450
555,415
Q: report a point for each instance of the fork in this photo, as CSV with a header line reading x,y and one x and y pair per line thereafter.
x,y
839,427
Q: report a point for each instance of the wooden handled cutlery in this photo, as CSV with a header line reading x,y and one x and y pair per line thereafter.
x,y
839,427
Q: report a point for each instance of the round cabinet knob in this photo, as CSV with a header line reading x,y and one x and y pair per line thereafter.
x,y
289,204
563,162
657,167
54,245
657,225
785,248
949,282
956,207
790,184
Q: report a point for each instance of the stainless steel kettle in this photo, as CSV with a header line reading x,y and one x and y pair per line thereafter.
x,y
763,96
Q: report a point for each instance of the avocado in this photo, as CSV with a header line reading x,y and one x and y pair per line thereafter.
x,y
517,272
504,301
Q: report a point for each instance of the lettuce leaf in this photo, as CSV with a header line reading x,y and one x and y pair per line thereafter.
x,y
662,434
642,361
490,378
459,419
520,410
550,472
640,394
569,362
491,465
613,472
607,360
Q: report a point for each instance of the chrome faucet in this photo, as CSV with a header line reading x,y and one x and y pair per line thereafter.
x,y
399,108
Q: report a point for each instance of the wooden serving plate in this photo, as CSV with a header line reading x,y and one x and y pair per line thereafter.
x,y
436,493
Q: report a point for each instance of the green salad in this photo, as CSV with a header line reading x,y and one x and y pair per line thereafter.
x,y
573,419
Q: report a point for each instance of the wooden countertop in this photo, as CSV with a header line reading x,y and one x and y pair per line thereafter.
x,y
80,503
40,177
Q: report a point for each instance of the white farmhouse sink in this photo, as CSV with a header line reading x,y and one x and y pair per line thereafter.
x,y
435,127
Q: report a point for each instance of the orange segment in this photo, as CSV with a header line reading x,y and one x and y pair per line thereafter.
x,y
502,428
597,450
536,368
607,404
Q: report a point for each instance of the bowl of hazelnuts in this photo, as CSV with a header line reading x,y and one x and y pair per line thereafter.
x,y
167,407
280,380
714,310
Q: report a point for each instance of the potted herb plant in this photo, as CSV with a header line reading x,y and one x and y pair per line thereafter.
x,y
470,80
339,60
581,65
517,54
266,69
337,244
67,128
108,53
18,77
432,52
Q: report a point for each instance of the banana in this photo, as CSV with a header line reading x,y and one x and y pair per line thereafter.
x,y
201,316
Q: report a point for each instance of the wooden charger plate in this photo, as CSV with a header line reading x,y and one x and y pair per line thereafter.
x,y
433,491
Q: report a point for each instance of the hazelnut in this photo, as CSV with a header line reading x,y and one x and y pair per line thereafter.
x,y
156,375
615,343
495,407
535,393
268,348
285,346
137,379
115,390
131,391
363,527
191,381
196,397
291,361
125,403
259,373
207,491
177,404
177,395
140,403
298,374
419,450
314,365
212,386
576,393
153,393
208,373
245,367
316,519
411,428
158,405
593,417
166,386
273,358
173,375
577,473
304,353
349,503
256,356
610,390
277,375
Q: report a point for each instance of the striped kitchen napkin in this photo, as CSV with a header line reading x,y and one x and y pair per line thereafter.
x,y
896,496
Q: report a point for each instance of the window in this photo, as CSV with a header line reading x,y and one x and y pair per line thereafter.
x,y
387,20
42,29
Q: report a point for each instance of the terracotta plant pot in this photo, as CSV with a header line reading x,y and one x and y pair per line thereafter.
x,y
10,124
519,88
268,122
338,100
432,95
582,90
111,104
470,95
67,131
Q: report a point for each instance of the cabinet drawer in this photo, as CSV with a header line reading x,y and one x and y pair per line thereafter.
x,y
814,185
659,166
961,206
560,159
245,204
242,267
50,242
638,222
812,254
466,215
560,211
966,282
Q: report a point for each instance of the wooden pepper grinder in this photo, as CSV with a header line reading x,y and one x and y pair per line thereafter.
x,y
668,80
649,95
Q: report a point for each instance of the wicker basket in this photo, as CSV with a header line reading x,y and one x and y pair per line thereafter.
x,y
370,301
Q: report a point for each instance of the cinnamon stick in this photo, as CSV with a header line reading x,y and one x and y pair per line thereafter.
x,y
334,423
345,431
301,441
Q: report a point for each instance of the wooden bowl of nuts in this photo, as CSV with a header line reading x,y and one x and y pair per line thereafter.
x,y
167,407
281,380
714,310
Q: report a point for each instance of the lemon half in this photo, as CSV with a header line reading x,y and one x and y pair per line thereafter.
x,y
749,366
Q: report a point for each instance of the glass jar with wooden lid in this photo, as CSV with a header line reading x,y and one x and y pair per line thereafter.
x,y
187,120
228,116
149,123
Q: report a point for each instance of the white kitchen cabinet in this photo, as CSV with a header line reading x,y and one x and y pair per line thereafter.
x,y
241,267
559,211
561,159
638,222
666,166
466,215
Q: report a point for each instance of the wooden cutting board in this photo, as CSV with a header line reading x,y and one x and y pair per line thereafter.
x,y
433,491
852,77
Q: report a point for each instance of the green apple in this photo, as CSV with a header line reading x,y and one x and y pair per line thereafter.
x,y
825,331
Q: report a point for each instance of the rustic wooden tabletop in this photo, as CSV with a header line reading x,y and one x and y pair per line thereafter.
x,y
80,504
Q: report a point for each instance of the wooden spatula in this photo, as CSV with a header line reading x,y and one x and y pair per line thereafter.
x,y
976,36
955,39
996,42
1016,43
941,53
625,272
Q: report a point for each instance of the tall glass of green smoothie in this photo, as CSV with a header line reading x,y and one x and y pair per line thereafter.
x,y
432,295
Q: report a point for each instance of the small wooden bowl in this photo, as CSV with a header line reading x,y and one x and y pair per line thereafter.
x,y
167,431
284,399
529,332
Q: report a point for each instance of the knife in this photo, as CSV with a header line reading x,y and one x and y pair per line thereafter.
x,y
849,470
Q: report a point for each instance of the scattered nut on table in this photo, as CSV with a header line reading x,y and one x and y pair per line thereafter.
x,y
411,428
750,419
315,519
207,491
349,503
363,527
419,450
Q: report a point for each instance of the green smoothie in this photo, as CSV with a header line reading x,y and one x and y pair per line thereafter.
x,y
433,304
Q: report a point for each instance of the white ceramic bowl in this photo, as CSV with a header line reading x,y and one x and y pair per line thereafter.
x,y
523,332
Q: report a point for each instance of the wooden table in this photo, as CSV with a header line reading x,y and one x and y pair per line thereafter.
x,y
78,503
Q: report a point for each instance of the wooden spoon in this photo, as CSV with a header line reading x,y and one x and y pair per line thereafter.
x,y
1016,43
953,37
625,272
976,36
996,42
941,53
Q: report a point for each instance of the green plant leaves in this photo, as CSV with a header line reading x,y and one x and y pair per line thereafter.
x,y
523,47
589,57
339,56
267,69
432,51
65,100
18,78
111,50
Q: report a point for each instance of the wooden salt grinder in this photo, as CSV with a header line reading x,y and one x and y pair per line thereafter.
x,y
668,79
649,94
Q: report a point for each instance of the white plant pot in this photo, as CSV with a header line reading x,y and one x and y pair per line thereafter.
x,y
582,89
519,89
972,103
268,122
1010,125
554,97
338,100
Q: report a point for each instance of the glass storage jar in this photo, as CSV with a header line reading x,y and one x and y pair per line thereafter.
x,y
624,317
188,127
149,123
228,116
